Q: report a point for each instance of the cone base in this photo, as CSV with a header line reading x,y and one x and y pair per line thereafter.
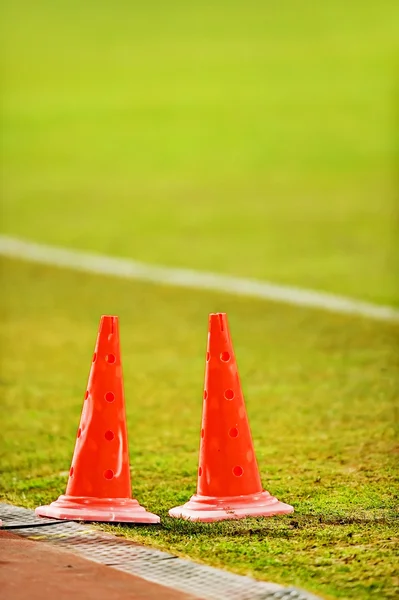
x,y
208,509
105,510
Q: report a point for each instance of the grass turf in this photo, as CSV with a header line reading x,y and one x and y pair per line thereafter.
x,y
320,393
244,139
257,140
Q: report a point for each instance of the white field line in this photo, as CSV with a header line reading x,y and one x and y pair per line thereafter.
x,y
185,278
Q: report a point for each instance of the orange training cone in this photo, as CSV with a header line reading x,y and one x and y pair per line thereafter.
x,y
99,487
228,485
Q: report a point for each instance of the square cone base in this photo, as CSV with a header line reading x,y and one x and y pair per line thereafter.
x,y
207,509
103,510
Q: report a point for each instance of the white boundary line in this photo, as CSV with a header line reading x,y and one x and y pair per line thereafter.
x,y
131,269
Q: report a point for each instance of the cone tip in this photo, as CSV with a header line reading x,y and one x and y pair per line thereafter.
x,y
218,320
109,324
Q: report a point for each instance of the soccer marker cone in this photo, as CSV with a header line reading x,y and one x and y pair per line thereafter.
x,y
99,487
228,484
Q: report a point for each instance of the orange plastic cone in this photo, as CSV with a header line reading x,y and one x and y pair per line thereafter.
x,y
228,485
99,487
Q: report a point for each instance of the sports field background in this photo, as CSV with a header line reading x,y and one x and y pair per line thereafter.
x,y
254,139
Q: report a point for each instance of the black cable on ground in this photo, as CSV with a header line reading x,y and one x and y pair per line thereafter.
x,y
32,525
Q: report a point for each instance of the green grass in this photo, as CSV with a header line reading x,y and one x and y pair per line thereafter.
x,y
253,140
320,391
250,139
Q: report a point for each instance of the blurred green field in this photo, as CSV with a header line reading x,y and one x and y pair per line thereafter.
x,y
252,139
257,140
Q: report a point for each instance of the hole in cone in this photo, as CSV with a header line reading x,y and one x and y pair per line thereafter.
x,y
233,432
94,357
207,357
109,396
109,435
86,394
238,471
225,356
108,474
202,433
110,358
205,394
229,394
71,472
200,471
79,432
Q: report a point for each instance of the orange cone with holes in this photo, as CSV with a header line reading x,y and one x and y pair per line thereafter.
x,y
99,487
228,485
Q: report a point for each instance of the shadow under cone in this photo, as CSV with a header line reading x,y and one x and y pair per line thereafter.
x,y
99,487
228,485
